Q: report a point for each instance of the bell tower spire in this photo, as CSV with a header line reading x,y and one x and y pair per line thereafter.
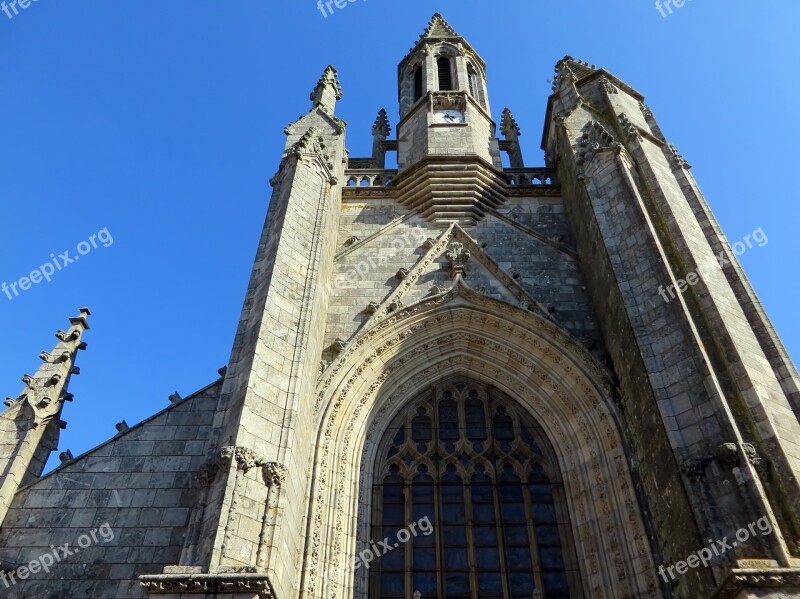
x,y
445,119
444,107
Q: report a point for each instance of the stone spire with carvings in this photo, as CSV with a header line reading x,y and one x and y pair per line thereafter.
x,y
380,131
511,132
327,91
30,426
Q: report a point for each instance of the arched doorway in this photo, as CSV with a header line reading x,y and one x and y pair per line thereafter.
x,y
469,503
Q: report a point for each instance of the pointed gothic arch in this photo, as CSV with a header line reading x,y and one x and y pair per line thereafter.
x,y
469,466
533,361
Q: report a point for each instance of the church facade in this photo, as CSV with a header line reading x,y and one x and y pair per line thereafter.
x,y
463,377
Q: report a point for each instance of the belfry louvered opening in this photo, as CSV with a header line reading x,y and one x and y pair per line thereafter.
x,y
444,66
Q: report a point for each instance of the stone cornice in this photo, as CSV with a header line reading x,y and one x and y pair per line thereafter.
x,y
206,584
741,579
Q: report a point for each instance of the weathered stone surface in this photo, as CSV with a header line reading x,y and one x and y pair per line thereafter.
x,y
674,422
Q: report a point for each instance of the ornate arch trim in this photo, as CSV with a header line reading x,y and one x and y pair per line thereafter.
x,y
528,358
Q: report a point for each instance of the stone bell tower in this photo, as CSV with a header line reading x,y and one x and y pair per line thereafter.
x,y
446,138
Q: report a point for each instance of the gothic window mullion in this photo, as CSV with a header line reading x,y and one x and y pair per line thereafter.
x,y
501,537
408,448
497,451
375,573
408,548
464,447
534,545
471,548
437,481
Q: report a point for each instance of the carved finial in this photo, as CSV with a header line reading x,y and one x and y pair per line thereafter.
x,y
82,319
511,131
382,128
438,28
570,70
508,125
458,257
380,131
327,91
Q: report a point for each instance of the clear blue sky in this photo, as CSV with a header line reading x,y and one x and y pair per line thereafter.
x,y
163,122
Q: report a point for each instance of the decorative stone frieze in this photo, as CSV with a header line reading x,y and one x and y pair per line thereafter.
x,y
255,586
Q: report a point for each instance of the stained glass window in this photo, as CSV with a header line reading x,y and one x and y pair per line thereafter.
x,y
467,462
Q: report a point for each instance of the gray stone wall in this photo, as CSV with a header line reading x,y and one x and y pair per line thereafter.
x,y
135,492
529,239
700,408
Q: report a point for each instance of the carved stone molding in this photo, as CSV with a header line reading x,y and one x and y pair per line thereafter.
x,y
274,474
740,580
449,100
206,474
693,468
246,459
594,139
255,585
728,455
676,161
608,86
630,130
